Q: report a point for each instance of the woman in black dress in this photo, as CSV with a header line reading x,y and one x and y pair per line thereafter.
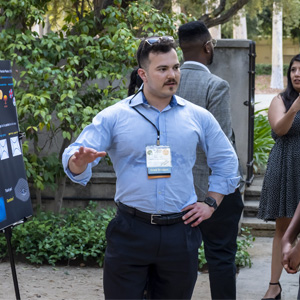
x,y
281,188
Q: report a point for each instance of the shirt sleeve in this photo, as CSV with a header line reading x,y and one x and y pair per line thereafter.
x,y
221,158
98,136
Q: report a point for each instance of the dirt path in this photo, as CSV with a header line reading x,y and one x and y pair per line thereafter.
x,y
66,283
51,283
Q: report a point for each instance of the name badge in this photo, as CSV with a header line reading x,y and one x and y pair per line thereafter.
x,y
158,161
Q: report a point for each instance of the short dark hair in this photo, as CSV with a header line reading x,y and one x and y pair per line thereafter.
x,y
163,44
289,95
192,32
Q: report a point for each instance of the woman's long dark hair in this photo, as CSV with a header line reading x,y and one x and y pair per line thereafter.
x,y
289,95
135,82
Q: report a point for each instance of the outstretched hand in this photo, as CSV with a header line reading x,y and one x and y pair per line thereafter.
x,y
81,158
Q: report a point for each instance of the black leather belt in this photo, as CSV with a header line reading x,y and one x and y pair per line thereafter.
x,y
156,219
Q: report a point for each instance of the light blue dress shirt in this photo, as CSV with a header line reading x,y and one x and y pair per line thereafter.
x,y
124,134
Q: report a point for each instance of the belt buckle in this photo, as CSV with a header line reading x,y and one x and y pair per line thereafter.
x,y
152,216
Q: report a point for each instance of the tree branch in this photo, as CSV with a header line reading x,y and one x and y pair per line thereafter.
x,y
217,11
215,20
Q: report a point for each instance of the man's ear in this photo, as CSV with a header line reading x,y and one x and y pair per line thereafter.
x,y
207,48
142,74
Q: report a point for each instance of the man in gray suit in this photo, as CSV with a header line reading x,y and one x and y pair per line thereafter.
x,y
211,92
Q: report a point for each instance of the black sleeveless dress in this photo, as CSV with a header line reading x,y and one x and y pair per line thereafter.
x,y
281,186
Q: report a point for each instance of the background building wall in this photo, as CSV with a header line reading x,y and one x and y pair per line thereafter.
x,y
264,50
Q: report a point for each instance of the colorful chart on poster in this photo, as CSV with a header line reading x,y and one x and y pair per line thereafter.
x,y
15,202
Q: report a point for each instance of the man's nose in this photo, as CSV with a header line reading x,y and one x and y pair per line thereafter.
x,y
171,73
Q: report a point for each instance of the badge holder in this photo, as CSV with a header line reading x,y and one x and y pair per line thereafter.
x,y
158,161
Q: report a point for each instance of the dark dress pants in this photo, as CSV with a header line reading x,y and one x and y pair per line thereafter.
x,y
219,235
134,248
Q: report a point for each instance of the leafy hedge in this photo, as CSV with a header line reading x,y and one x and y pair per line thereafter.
x,y
242,258
79,235
263,141
266,69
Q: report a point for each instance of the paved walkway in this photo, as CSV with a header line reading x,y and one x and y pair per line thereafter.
x,y
76,283
263,101
252,282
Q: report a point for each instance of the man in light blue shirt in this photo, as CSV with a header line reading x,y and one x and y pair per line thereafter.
x,y
152,138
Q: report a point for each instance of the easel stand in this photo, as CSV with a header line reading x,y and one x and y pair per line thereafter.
x,y
8,235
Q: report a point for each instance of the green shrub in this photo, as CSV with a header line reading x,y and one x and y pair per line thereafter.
x,y
263,142
242,258
245,241
263,69
266,69
79,234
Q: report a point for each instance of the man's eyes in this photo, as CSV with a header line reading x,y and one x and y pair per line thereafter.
x,y
176,68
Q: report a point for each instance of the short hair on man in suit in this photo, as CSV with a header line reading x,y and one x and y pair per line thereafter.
x,y
194,40
192,31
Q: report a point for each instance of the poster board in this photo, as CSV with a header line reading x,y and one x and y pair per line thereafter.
x,y
15,202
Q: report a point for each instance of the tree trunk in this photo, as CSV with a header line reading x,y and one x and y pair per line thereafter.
x,y
240,30
59,193
38,195
220,14
60,181
277,62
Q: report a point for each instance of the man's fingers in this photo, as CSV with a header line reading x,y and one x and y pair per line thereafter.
x,y
101,154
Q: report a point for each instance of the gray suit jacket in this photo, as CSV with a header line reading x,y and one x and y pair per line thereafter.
x,y
199,86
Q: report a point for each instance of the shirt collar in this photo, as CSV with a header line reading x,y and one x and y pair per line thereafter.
x,y
198,64
139,98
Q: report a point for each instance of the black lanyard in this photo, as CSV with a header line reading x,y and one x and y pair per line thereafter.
x,y
158,132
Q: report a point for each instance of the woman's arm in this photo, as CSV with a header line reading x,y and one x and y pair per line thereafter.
x,y
281,120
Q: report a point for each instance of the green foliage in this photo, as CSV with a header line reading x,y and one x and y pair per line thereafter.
x,y
21,15
55,83
266,69
79,234
260,13
263,142
201,257
242,258
263,69
244,242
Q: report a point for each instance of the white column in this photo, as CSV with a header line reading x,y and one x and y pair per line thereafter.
x,y
176,9
277,60
215,32
240,30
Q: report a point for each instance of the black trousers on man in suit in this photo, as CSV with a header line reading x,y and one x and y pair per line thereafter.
x,y
219,235
134,248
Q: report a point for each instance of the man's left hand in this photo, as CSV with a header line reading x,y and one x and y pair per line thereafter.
x,y
198,212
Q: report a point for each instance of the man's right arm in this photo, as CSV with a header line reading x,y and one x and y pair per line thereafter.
x,y
221,158
80,159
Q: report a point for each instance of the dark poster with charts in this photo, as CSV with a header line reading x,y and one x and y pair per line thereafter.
x,y
15,202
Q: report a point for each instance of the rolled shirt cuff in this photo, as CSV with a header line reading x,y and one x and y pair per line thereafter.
x,y
223,185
